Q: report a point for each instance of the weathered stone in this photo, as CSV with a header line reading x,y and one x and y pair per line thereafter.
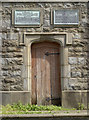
x,y
76,49
47,5
6,87
16,54
68,5
16,73
76,36
46,29
9,80
4,36
7,55
6,68
11,73
12,36
5,23
9,43
85,74
76,74
38,29
46,23
81,60
72,60
16,87
13,49
16,67
60,5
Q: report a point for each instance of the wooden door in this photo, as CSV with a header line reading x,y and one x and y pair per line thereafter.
x,y
46,83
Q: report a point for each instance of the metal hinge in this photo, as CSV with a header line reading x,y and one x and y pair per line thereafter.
x,y
48,99
47,53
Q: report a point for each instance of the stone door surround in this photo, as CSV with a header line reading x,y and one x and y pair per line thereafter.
x,y
63,39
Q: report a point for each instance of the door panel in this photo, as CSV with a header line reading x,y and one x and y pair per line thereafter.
x,y
46,86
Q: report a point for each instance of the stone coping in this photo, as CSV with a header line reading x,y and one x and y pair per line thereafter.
x,y
44,1
72,113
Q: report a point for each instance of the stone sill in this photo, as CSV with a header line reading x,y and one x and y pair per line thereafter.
x,y
44,1
75,91
14,91
82,113
62,91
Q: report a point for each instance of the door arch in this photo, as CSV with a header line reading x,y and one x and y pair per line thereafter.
x,y
46,79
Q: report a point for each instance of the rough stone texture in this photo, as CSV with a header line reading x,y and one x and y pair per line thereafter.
x,y
12,53
72,98
9,97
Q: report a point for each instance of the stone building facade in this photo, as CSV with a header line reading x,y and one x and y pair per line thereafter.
x,y
15,51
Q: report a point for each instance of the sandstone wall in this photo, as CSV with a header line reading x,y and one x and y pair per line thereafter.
x,y
12,52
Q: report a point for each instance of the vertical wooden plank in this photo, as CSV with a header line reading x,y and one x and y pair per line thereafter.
x,y
48,76
56,81
57,67
39,87
57,78
43,74
34,95
52,57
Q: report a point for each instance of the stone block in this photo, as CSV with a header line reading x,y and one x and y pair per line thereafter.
x,y
66,84
66,71
10,97
65,55
25,84
6,98
25,97
6,87
81,60
12,36
16,87
0,98
88,100
9,80
4,36
72,60
84,98
24,71
17,54
15,97
76,74
7,5
70,99
0,36
6,23
76,36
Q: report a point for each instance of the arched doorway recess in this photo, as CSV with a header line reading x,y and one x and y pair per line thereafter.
x,y
30,39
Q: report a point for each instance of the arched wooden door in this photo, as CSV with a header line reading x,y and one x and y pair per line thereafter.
x,y
46,82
